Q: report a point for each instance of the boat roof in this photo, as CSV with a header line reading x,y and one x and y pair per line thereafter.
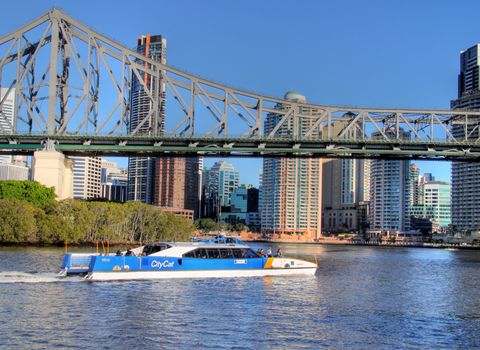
x,y
177,249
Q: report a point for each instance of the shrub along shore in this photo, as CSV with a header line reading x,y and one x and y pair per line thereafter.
x,y
29,214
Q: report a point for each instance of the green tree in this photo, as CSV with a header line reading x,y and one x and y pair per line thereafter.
x,y
17,221
30,191
87,221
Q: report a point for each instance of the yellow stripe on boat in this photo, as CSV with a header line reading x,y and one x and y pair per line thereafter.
x,y
268,264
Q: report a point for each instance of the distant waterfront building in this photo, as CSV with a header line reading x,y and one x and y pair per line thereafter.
x,y
16,169
428,177
182,213
366,179
164,181
221,180
253,199
113,182
114,190
291,188
343,191
109,169
436,204
87,174
238,208
6,117
438,197
141,170
177,182
200,181
244,206
207,202
390,193
414,184
466,175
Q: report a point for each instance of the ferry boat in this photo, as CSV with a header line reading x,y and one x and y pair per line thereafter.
x,y
219,257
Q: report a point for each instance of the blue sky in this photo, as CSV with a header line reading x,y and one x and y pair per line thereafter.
x,y
357,53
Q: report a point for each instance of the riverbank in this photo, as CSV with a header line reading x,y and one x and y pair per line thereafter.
x,y
375,244
325,241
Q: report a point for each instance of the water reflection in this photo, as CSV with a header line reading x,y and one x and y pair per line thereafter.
x,y
361,297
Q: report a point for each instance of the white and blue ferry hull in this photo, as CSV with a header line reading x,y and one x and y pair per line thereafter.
x,y
151,275
148,268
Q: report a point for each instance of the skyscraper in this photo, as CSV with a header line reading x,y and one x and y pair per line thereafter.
x,y
141,170
176,183
221,180
164,181
437,201
466,175
390,192
343,189
291,188
414,184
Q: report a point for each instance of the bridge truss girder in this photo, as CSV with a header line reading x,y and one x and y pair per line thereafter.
x,y
68,79
87,145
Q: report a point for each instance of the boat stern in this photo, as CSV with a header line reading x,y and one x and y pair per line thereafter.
x,y
292,264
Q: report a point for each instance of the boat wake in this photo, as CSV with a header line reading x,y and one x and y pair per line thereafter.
x,y
33,277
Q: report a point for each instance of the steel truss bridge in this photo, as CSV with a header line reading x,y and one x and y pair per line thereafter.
x,y
72,86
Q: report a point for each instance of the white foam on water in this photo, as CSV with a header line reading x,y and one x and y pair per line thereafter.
x,y
28,277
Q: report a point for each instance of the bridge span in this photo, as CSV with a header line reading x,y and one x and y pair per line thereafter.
x,y
72,89
131,146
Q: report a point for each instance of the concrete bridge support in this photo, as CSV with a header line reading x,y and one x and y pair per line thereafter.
x,y
53,169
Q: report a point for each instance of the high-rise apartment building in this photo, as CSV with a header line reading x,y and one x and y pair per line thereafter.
x,y
390,192
141,170
437,197
466,175
343,189
435,205
87,174
177,183
165,181
291,188
220,182
414,184
366,180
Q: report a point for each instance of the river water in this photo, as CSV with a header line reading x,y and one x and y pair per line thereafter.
x,y
361,297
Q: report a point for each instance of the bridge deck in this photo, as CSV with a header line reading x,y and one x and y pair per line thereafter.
x,y
240,147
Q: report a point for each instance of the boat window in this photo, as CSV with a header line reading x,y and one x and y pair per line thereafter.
x,y
238,253
248,253
154,248
202,253
226,253
190,254
213,253
199,253
221,253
